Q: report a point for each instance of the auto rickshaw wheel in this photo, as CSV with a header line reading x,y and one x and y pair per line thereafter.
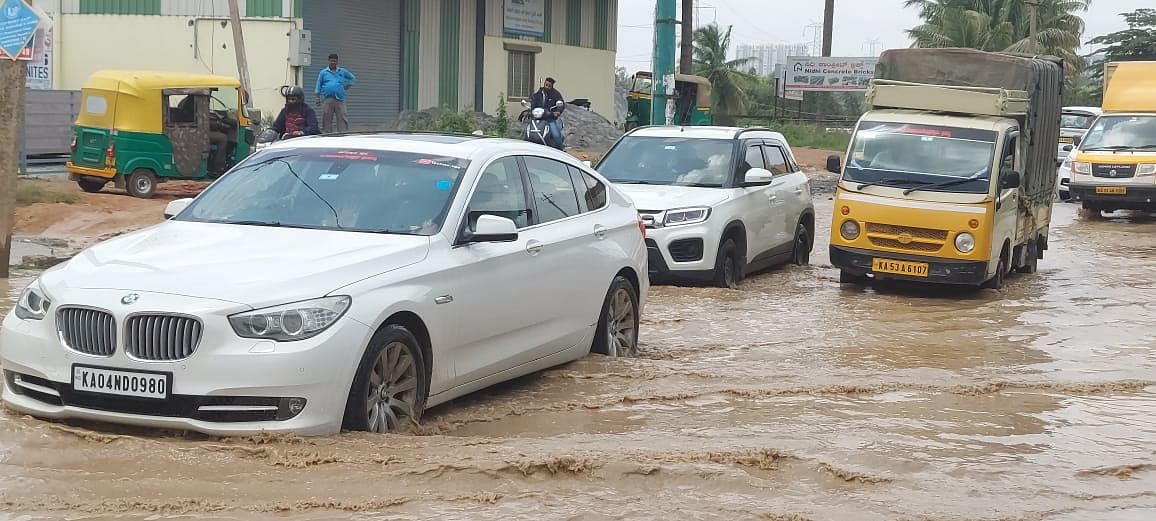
x,y
142,183
90,185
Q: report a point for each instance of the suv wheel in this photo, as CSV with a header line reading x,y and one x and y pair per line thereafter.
x,y
802,254
727,269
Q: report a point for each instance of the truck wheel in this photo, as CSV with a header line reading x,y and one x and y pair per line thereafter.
x,y
1001,269
90,185
142,183
846,277
1032,258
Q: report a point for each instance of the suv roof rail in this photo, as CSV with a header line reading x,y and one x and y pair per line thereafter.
x,y
741,131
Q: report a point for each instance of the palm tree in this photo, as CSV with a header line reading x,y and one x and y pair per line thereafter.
x,y
1001,25
710,61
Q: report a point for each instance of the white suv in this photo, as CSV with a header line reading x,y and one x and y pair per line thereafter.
x,y
718,202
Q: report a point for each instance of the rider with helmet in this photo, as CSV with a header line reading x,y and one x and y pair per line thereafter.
x,y
296,118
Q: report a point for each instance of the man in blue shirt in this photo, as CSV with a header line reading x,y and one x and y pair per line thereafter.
x,y
332,82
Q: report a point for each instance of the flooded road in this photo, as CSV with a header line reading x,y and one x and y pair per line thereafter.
x,y
792,398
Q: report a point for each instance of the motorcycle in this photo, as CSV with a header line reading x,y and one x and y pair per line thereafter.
x,y
267,137
538,125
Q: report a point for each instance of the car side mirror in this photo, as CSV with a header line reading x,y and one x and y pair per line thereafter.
x,y
525,103
491,228
757,177
1068,148
254,114
176,207
1009,179
834,165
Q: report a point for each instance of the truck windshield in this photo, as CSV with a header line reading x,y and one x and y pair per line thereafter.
x,y
1121,133
669,161
1076,120
930,157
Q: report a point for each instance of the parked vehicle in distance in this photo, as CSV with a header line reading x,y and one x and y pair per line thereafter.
x,y
1074,123
1115,164
718,202
951,176
335,281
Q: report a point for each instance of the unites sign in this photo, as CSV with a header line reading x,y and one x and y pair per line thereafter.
x,y
829,74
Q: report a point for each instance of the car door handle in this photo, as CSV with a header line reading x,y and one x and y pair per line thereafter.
x,y
599,231
772,198
799,191
533,247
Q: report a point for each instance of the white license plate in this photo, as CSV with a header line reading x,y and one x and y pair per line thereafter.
x,y
120,383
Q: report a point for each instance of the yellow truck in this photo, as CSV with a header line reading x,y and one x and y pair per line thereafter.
x,y
1115,164
950,177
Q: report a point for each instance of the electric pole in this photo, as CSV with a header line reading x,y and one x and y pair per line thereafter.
x,y
1032,6
687,63
239,47
662,91
828,26
12,77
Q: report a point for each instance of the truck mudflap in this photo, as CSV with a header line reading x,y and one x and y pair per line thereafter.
x,y
930,269
1114,197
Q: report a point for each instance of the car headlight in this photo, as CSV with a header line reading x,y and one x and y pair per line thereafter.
x,y
686,216
964,242
1082,168
33,303
1148,169
849,230
291,322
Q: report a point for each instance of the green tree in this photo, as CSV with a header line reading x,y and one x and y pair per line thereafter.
x,y
711,46
1002,25
1137,42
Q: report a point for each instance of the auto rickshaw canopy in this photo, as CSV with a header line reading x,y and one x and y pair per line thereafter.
x,y
133,100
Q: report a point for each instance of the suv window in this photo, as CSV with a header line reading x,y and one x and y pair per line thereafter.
x,y
554,194
592,193
776,160
500,192
754,158
679,161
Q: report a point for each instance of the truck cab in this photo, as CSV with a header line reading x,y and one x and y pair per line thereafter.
x,y
946,183
1114,167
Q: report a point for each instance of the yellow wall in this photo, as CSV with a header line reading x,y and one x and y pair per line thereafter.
x,y
86,43
580,72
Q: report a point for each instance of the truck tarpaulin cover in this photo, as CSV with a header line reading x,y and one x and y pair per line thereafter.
x,y
1041,76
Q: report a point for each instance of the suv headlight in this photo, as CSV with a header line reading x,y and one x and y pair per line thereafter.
x,y
964,242
33,303
686,216
1081,168
291,322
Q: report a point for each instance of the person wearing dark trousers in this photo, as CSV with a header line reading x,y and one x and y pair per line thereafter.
x,y
332,84
548,97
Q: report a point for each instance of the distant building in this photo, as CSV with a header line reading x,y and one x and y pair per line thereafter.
x,y
764,57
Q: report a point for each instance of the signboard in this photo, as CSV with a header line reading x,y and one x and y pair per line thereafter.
x,y
829,74
39,68
525,17
18,24
781,82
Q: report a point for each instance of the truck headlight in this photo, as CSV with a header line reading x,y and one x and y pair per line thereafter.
x,y
1081,168
964,242
291,322
686,216
33,303
849,230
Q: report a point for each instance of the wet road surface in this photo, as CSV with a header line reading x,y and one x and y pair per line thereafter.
x,y
792,398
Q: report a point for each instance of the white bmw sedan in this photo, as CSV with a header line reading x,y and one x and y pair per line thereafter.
x,y
335,282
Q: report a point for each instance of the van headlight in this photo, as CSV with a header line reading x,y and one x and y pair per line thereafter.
x,y
849,230
964,242
33,303
686,216
291,322
1081,168
1148,169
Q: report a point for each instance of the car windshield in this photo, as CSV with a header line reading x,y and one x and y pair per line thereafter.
x,y
1074,120
334,189
1122,133
926,157
669,161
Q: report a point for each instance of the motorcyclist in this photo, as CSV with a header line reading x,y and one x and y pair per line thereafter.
x,y
547,98
296,118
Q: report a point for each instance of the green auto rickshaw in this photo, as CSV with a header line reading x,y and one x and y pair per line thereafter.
x,y
138,128
692,100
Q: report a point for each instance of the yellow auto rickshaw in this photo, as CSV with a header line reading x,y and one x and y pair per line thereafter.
x,y
138,128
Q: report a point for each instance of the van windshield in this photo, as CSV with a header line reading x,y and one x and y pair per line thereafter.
x,y
669,161
1076,120
1121,133
927,157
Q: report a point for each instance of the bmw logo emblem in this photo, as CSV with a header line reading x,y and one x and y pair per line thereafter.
x,y
129,299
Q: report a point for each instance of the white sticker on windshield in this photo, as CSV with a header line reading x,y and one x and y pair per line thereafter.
x,y
670,147
927,138
328,177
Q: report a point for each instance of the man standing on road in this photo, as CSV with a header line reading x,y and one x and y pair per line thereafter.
x,y
548,97
332,82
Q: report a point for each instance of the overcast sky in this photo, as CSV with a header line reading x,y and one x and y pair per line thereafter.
x,y
857,23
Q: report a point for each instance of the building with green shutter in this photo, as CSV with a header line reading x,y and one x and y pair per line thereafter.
x,y
407,54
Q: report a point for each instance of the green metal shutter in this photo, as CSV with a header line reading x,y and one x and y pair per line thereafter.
x,y
412,41
120,6
263,8
451,22
548,11
601,24
298,8
574,22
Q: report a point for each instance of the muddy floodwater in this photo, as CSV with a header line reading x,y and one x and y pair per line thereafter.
x,y
792,398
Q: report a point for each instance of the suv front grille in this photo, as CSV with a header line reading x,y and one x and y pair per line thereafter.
x,y
686,250
87,331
